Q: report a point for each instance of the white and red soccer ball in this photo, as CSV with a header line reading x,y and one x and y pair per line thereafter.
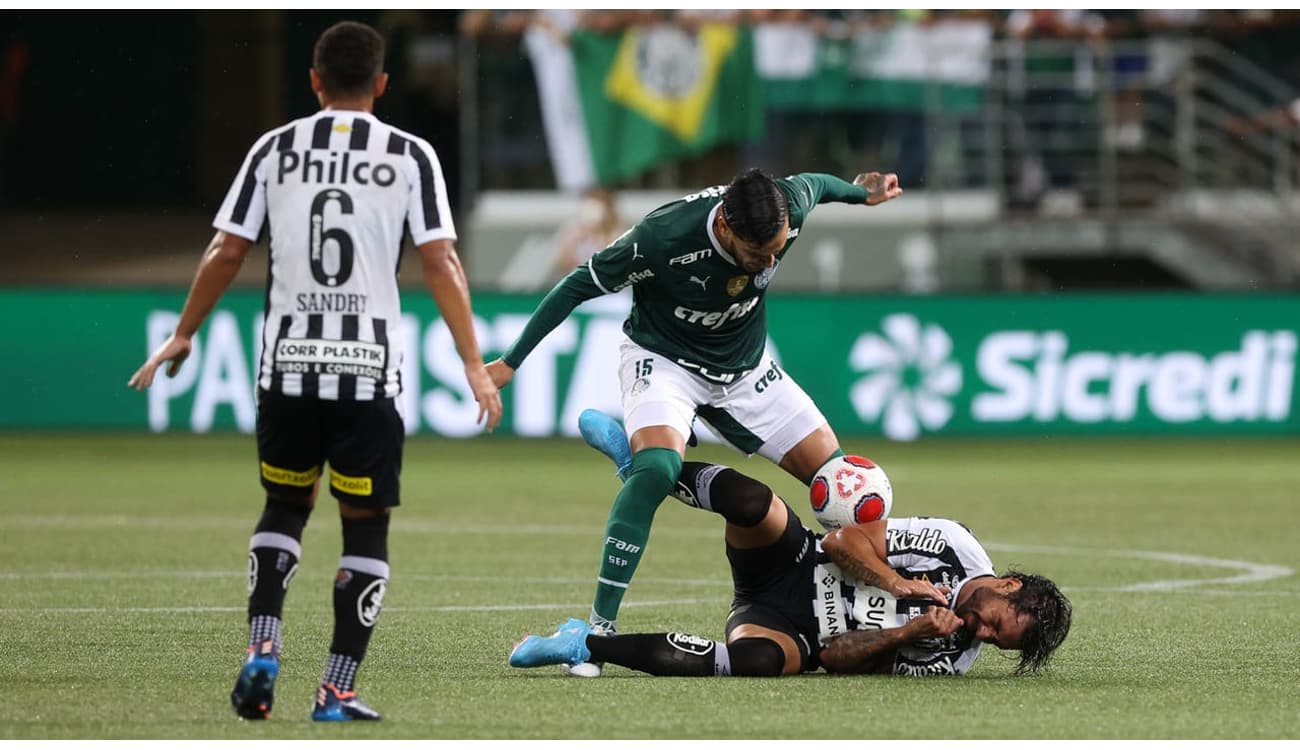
x,y
848,491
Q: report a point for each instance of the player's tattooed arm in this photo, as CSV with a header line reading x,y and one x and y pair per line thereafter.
x,y
862,651
860,552
853,548
873,651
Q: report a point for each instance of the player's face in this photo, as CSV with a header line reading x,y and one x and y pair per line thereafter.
x,y
755,258
990,617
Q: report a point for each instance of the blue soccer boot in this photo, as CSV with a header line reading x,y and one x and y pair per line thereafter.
x,y
333,704
254,691
568,645
606,435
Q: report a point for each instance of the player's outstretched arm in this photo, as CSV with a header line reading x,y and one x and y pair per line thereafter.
x,y
860,552
872,651
445,277
570,292
220,262
809,189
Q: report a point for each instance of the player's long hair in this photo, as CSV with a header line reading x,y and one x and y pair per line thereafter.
x,y
349,57
1040,598
755,207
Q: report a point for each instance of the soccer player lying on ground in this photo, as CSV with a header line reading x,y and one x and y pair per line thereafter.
x,y
913,596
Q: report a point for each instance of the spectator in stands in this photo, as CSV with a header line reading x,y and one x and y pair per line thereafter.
x,y
596,225
1053,78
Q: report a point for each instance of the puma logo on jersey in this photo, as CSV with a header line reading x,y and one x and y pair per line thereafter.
x,y
702,282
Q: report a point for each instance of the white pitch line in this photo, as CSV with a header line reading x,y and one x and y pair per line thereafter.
x,y
401,525
449,608
470,608
233,575
1250,572
101,575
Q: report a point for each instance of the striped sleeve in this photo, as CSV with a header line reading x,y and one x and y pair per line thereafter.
x,y
243,212
429,212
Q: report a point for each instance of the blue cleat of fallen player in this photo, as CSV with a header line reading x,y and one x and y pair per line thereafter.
x,y
606,435
568,645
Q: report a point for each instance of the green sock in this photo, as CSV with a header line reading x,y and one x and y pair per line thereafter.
x,y
653,475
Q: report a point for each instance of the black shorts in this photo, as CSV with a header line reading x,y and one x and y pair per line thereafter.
x,y
774,588
361,440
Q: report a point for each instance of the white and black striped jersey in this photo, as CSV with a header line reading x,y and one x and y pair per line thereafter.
x,y
335,191
935,549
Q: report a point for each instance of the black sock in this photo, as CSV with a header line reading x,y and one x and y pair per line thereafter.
x,y
742,500
273,554
682,655
359,589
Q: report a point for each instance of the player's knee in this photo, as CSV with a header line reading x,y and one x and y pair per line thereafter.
x,y
355,512
756,657
303,496
656,470
743,501
366,536
284,515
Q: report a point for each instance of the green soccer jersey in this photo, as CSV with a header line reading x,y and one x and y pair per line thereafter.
x,y
691,301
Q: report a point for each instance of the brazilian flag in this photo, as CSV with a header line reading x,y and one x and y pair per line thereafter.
x,y
658,93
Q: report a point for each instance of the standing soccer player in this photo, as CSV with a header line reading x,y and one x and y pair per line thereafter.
x,y
335,190
696,345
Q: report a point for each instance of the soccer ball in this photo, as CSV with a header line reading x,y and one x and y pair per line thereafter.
x,y
850,490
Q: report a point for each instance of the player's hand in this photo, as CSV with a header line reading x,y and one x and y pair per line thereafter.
x,y
935,622
174,350
486,394
880,187
500,372
914,588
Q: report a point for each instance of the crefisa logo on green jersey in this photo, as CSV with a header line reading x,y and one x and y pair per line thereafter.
x,y
910,382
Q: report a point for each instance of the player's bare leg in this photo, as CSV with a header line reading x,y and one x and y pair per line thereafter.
x,y
808,455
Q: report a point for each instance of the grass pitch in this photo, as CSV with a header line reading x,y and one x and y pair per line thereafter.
x,y
123,558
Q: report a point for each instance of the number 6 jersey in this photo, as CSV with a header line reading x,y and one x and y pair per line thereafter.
x,y
337,188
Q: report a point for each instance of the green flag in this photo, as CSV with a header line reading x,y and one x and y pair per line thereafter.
x,y
654,94
907,66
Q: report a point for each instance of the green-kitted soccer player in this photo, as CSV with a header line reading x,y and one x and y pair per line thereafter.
x,y
696,345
